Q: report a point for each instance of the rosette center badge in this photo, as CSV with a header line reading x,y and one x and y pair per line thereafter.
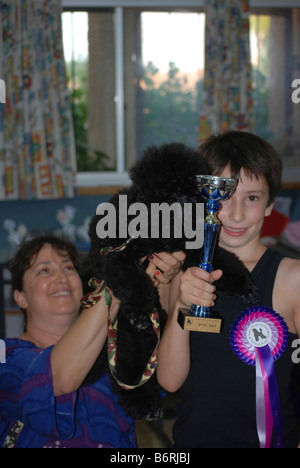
x,y
259,334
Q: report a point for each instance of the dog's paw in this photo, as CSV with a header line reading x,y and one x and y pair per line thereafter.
x,y
154,414
141,411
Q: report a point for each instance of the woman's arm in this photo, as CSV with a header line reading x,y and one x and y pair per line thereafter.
x,y
75,353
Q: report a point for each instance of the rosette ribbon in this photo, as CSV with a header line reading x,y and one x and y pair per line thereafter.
x,y
259,337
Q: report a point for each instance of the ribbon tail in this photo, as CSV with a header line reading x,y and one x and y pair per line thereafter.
x,y
267,359
264,418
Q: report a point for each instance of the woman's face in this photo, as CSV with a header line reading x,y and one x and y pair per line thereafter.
x,y
52,288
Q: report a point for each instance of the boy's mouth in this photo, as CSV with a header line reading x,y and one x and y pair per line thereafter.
x,y
234,231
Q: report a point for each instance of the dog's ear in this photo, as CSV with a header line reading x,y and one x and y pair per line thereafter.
x,y
167,173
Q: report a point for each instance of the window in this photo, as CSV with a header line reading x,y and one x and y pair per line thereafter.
x,y
162,88
275,51
90,62
170,83
135,77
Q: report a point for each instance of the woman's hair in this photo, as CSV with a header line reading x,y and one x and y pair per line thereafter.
x,y
29,249
243,150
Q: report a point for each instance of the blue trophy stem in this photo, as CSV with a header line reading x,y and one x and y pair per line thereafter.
x,y
211,231
212,189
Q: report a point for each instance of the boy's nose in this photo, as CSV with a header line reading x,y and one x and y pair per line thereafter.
x,y
237,211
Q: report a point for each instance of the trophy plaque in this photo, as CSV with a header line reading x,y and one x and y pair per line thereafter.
x,y
212,189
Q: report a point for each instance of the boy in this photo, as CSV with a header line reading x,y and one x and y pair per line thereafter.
x,y
218,401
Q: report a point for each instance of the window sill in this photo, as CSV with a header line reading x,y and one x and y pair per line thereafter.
x,y
99,183
291,178
102,183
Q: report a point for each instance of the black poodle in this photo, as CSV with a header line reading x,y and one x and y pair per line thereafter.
x,y
164,174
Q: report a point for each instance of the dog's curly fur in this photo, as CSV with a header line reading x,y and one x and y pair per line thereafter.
x,y
163,174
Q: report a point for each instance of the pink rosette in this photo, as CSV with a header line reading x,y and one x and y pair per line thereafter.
x,y
259,337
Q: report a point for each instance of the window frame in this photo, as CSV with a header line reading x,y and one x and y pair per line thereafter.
x,y
93,180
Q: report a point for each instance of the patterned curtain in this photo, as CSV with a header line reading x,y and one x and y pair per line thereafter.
x,y
37,149
227,88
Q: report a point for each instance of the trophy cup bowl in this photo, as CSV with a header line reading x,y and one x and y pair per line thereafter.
x,y
213,189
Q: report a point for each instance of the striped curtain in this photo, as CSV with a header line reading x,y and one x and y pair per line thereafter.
x,y
37,150
227,87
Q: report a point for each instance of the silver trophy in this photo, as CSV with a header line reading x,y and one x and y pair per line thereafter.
x,y
212,189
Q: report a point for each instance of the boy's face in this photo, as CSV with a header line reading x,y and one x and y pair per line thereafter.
x,y
242,215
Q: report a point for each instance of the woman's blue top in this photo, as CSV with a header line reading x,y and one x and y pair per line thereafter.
x,y
32,417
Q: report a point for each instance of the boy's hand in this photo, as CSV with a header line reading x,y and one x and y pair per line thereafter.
x,y
197,287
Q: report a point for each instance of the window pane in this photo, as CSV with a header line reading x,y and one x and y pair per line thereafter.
x,y
170,78
89,54
274,51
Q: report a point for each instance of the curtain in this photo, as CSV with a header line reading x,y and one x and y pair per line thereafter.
x,y
227,87
37,149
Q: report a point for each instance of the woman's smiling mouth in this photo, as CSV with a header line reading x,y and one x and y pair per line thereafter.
x,y
61,293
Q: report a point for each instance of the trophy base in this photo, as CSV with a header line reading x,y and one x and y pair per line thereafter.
x,y
212,324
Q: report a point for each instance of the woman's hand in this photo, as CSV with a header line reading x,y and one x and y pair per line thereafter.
x,y
163,267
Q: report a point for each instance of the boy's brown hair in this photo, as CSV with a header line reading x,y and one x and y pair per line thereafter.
x,y
244,150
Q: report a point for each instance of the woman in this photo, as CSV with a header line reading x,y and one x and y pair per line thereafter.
x,y
42,403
